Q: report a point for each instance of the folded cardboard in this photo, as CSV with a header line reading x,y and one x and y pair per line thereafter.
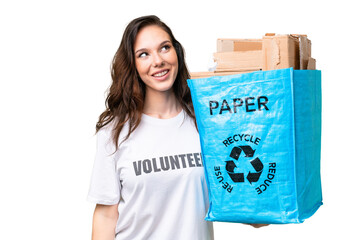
x,y
238,60
230,45
272,52
281,51
195,75
311,64
284,51
305,51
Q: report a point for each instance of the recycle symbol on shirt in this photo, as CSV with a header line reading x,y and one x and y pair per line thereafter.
x,y
242,155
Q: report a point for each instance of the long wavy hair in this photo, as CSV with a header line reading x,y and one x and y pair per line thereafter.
x,y
126,94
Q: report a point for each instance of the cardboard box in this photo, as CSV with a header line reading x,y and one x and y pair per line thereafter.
x,y
305,51
230,45
280,51
311,64
238,60
234,55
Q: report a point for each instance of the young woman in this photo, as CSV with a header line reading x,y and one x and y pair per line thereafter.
x,y
148,180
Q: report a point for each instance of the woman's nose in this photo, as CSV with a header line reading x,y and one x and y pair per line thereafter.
x,y
158,61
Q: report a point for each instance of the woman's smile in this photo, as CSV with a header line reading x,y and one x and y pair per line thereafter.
x,y
161,75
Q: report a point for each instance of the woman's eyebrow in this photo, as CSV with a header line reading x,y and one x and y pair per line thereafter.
x,y
140,50
166,41
143,49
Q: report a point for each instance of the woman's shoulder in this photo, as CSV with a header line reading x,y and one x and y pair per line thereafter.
x,y
106,130
105,136
109,130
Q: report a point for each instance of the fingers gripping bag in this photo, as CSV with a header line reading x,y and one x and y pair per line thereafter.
x,y
260,138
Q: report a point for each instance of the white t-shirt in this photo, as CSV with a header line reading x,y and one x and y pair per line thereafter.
x,y
157,178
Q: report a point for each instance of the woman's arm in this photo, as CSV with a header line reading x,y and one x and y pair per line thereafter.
x,y
104,222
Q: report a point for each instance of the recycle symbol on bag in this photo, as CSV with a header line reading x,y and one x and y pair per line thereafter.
x,y
248,152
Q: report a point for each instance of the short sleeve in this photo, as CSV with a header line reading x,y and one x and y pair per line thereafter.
x,y
104,182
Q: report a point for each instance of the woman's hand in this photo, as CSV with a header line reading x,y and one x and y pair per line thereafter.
x,y
258,225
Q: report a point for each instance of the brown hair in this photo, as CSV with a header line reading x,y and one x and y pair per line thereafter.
x,y
125,99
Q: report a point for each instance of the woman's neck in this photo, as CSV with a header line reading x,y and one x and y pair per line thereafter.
x,y
161,104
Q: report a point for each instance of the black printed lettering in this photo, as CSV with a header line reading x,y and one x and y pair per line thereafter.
x,y
165,164
212,106
182,157
174,161
263,186
267,182
197,159
252,104
241,136
156,169
246,139
225,107
147,166
201,159
269,177
235,138
262,103
247,104
272,165
190,160
236,104
272,170
137,168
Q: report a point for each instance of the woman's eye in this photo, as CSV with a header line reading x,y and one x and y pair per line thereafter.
x,y
166,47
144,54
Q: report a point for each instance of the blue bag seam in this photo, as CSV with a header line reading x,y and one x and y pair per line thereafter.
x,y
294,141
196,110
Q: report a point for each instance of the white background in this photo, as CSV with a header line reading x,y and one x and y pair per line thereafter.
x,y
54,70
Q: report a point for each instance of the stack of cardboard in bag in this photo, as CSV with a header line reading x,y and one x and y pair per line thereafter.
x,y
236,56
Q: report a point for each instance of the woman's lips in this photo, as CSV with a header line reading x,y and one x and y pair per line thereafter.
x,y
161,75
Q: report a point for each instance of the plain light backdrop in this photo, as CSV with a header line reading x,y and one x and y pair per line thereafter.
x,y
55,68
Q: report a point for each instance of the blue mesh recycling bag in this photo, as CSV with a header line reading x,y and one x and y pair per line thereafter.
x,y
260,137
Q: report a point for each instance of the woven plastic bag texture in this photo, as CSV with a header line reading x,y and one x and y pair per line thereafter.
x,y
260,137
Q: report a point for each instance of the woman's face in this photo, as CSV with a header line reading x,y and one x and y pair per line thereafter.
x,y
155,59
